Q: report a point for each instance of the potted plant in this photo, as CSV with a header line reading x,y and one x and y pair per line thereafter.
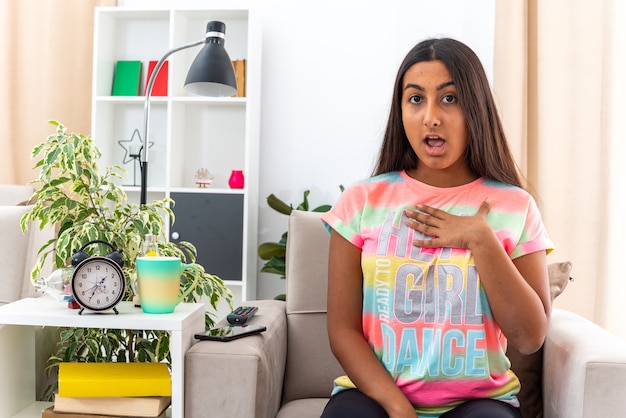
x,y
274,253
86,205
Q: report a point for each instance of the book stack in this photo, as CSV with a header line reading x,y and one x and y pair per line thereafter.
x,y
95,390
127,76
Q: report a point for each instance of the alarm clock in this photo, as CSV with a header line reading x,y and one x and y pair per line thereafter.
x,y
98,283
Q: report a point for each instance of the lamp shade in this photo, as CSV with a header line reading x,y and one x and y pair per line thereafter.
x,y
212,72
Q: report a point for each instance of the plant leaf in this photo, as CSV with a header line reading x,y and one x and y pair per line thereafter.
x,y
305,201
85,204
278,205
268,250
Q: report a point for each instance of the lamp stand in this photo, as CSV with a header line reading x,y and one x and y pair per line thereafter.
x,y
143,163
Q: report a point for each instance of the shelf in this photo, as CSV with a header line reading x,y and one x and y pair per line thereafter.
x,y
209,190
211,101
188,132
137,189
27,311
234,283
122,100
33,410
134,100
20,319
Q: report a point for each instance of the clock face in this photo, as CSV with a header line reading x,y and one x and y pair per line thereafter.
x,y
98,283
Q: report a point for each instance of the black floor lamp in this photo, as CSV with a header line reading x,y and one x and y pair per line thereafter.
x,y
210,74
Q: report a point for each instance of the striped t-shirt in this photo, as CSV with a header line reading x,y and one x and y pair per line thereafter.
x,y
425,313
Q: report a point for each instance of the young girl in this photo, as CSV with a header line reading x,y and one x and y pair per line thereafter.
x,y
439,258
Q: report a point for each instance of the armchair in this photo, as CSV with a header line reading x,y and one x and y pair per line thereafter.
x,y
288,370
19,252
19,249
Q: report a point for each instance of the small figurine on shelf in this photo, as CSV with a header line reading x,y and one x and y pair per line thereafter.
x,y
203,178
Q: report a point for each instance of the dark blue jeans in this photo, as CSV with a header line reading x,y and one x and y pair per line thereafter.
x,y
352,403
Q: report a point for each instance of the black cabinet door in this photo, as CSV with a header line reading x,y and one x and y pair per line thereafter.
x,y
214,224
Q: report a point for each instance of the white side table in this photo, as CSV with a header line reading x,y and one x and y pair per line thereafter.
x,y
17,344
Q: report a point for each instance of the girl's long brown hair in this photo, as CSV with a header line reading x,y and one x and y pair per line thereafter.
x,y
487,153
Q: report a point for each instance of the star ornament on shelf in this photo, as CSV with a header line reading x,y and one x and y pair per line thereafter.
x,y
132,147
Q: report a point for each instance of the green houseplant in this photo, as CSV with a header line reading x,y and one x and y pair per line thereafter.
x,y
274,253
85,205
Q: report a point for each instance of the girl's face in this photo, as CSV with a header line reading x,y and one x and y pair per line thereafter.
x,y
435,125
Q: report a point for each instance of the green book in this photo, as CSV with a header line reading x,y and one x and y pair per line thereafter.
x,y
126,78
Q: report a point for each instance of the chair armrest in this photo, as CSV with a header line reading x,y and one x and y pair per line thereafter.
x,y
584,369
243,377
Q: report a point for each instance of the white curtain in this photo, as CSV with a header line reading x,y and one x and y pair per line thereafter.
x,y
611,308
559,78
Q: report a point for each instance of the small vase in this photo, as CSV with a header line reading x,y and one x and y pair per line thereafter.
x,y
236,179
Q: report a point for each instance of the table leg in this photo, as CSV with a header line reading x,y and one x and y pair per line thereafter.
x,y
180,342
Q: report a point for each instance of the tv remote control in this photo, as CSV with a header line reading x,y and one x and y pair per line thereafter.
x,y
241,315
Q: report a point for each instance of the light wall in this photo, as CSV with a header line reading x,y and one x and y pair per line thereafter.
x,y
328,72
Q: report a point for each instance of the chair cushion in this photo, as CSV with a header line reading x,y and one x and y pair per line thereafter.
x,y
529,368
303,408
311,367
308,244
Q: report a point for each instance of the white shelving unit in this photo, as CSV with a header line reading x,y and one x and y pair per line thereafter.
x,y
17,338
188,132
